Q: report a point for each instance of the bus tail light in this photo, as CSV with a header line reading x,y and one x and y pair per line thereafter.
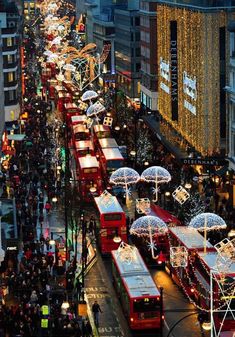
x,y
132,319
163,317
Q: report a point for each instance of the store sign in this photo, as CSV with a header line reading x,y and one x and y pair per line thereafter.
x,y
174,70
190,89
204,161
189,86
165,88
165,69
190,107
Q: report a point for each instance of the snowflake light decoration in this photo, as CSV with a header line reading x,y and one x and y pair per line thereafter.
x,y
142,205
181,195
156,174
178,257
151,245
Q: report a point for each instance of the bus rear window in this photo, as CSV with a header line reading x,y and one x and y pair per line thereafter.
x,y
146,304
90,170
112,217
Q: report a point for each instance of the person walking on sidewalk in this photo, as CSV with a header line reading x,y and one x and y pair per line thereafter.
x,y
96,310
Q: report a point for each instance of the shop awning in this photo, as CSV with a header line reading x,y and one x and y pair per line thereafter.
x,y
17,137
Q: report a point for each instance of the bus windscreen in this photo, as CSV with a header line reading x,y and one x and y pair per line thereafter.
x,y
112,217
146,305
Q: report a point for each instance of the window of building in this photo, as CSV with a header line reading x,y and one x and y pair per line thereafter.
x,y
233,145
10,77
10,58
9,42
233,112
137,52
137,21
138,66
11,95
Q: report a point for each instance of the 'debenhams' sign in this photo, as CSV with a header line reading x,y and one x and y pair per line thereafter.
x,y
204,161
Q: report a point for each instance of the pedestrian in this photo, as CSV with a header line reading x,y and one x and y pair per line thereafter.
x,y
96,310
88,329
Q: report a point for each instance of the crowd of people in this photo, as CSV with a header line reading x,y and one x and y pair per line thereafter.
x,y
32,306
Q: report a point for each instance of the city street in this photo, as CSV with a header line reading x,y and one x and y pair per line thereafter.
x,y
117,198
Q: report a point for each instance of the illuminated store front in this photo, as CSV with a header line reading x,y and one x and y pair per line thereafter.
x,y
192,56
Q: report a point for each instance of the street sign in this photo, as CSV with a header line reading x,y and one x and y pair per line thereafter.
x,y
82,309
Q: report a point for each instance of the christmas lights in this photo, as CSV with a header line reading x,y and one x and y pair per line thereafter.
x,y
197,37
156,174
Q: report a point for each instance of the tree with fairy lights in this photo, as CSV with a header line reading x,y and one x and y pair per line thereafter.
x,y
144,147
194,206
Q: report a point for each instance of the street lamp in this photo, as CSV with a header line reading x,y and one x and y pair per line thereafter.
x,y
188,186
93,189
231,233
206,326
117,238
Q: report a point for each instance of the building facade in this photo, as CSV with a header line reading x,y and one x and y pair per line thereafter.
x,y
9,18
148,39
2,112
231,98
193,55
127,51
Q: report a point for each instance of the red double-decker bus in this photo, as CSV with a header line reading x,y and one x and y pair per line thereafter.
x,y
100,131
112,223
200,268
45,76
193,242
52,83
80,119
70,109
80,132
111,159
63,98
141,300
89,177
84,147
